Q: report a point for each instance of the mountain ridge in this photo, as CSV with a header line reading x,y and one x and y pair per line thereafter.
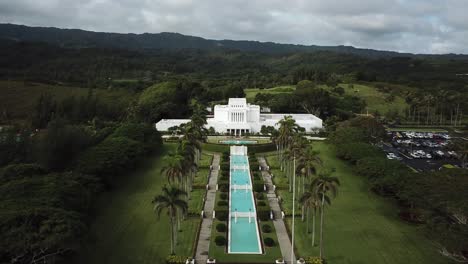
x,y
79,38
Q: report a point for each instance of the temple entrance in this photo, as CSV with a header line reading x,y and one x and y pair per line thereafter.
x,y
238,132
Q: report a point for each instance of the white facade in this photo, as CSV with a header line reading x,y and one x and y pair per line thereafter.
x,y
238,118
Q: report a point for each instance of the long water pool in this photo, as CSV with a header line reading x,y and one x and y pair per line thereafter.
x,y
244,237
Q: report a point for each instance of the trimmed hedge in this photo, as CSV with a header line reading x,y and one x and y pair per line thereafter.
x,y
220,241
269,242
223,187
222,215
263,215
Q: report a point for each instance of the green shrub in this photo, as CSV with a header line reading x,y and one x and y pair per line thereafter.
x,y
261,203
222,215
220,241
269,242
224,187
263,215
221,227
223,196
266,229
225,166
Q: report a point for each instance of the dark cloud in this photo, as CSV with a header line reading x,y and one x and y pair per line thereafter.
x,y
420,26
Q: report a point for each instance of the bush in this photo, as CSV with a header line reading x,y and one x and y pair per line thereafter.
x,y
222,215
225,166
266,229
269,242
220,241
263,215
222,203
221,227
261,203
224,187
223,196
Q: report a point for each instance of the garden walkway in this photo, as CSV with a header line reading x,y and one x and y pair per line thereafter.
x,y
283,237
205,232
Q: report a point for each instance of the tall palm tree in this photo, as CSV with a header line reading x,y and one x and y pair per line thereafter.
x,y
174,167
310,200
288,127
309,160
189,165
172,200
322,186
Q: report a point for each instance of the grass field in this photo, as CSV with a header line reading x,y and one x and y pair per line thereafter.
x,y
361,227
126,230
251,92
19,98
375,100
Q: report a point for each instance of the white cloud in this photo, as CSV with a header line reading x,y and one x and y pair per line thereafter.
x,y
420,26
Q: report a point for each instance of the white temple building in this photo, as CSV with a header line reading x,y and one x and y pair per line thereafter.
x,y
238,118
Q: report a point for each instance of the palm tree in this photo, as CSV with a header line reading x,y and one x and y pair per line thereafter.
x,y
322,186
189,165
286,131
310,200
308,162
173,202
174,167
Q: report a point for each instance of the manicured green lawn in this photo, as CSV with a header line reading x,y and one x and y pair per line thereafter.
x,y
361,227
126,230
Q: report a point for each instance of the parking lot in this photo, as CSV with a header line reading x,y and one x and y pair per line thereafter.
x,y
423,151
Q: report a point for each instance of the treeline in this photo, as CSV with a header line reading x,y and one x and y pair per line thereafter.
x,y
75,109
104,67
52,179
435,200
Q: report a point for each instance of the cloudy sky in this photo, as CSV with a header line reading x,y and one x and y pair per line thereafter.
x,y
419,26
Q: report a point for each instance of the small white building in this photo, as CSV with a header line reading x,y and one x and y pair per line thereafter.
x,y
238,118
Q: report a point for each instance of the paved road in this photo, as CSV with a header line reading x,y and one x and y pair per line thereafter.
x,y
205,232
283,237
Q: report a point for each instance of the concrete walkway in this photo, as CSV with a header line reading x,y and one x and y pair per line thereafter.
x,y
205,232
283,237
